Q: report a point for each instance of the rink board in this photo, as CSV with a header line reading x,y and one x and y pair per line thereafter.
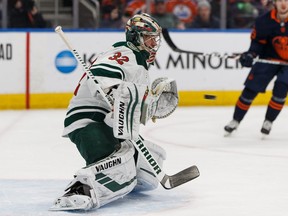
x,y
41,73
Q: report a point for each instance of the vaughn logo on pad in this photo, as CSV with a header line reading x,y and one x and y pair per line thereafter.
x,y
121,118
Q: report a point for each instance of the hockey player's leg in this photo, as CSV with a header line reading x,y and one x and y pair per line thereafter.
x,y
242,106
145,177
95,142
257,81
100,183
275,106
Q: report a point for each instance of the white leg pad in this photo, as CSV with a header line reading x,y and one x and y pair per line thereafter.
x,y
107,180
146,180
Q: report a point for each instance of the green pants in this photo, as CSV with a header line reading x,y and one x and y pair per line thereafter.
x,y
95,141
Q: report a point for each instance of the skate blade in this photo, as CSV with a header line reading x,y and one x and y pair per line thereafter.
x,y
264,136
57,208
227,134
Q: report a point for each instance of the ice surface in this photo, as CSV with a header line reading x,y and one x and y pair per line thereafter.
x,y
239,175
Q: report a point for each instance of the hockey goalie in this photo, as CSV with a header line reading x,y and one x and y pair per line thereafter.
x,y
103,134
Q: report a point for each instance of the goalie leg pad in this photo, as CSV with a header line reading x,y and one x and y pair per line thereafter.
x,y
101,182
146,180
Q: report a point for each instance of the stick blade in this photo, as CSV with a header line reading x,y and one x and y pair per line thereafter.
x,y
186,175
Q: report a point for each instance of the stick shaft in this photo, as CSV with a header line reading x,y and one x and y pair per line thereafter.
x,y
267,61
172,45
59,31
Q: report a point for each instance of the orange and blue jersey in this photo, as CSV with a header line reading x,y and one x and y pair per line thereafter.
x,y
269,38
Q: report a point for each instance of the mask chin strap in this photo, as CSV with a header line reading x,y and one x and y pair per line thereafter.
x,y
151,58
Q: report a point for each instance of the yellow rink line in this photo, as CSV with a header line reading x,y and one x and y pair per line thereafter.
x,y
186,98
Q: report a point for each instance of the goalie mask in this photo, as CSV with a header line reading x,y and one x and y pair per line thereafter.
x,y
144,32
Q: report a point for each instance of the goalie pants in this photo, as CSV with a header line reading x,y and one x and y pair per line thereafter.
x,y
95,141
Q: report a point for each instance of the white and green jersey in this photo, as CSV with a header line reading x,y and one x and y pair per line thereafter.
x,y
123,62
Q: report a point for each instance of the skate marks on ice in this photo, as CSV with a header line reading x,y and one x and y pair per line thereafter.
x,y
35,197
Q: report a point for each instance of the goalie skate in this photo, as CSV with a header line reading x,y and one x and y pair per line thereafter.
x,y
74,202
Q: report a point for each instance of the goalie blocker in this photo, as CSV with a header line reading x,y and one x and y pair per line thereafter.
x,y
134,105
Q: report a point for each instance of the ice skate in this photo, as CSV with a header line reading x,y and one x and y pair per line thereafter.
x,y
73,202
266,128
229,128
77,198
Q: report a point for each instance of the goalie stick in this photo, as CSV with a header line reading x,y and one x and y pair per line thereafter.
x,y
168,182
173,46
268,61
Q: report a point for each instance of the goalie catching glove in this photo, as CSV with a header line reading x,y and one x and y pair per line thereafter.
x,y
162,100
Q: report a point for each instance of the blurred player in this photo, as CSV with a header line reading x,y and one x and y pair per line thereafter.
x,y
269,40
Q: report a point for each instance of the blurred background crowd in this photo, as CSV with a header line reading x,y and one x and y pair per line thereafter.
x,y
113,14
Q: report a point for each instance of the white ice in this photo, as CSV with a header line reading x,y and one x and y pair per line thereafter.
x,y
241,175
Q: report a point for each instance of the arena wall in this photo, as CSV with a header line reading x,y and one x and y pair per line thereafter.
x,y
39,72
